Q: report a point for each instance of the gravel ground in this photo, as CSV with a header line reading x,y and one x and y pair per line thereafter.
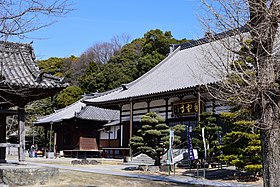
x,y
83,179
110,170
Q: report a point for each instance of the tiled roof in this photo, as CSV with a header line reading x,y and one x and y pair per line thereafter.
x,y
18,69
98,114
184,68
81,111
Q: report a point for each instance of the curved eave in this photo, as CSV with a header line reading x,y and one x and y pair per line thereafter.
x,y
150,96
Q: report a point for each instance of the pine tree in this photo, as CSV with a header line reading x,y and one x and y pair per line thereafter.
x,y
153,136
242,146
210,122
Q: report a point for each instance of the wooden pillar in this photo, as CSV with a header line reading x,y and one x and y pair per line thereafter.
x,y
50,142
46,140
2,138
166,110
148,106
199,105
130,126
213,106
54,142
21,133
121,128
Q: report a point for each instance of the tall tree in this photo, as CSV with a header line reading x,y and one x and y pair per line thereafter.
x,y
256,84
68,96
133,60
241,146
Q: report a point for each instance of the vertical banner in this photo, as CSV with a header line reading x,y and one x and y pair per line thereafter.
x,y
190,147
220,140
204,142
171,140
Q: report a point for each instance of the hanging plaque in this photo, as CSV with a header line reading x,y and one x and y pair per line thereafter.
x,y
185,108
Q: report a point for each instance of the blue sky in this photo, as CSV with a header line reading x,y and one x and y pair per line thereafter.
x,y
99,20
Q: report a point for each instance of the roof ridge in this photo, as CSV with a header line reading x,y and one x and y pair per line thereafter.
x,y
15,45
61,109
209,37
154,68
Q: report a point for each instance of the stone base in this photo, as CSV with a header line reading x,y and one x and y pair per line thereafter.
x,y
3,161
26,175
148,168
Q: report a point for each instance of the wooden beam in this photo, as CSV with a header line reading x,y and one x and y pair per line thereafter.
x,y
8,112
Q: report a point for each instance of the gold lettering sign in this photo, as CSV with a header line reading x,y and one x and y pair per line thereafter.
x,y
185,108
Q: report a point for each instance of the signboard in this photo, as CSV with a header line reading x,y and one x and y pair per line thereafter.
x,y
185,108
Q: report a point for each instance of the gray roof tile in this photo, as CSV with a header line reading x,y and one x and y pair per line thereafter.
x,y
98,114
81,111
18,68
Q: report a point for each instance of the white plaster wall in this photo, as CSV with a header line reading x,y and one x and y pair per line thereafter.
x,y
218,109
140,105
157,102
126,107
113,135
172,100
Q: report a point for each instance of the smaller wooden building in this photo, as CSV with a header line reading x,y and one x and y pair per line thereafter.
x,y
79,130
21,82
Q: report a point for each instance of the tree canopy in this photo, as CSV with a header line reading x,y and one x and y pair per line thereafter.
x,y
252,82
107,65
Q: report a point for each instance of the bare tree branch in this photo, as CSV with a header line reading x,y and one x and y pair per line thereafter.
x,y
250,73
19,17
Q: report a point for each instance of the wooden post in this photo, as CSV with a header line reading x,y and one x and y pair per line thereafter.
x,y
130,126
46,141
21,133
50,143
54,142
166,110
2,138
199,105
121,128
148,106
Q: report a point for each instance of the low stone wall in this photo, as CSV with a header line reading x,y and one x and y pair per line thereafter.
x,y
24,175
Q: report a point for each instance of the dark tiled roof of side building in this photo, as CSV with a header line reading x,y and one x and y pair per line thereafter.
x,y
79,110
18,68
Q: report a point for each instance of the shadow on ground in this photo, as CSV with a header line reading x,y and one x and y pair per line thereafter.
x,y
221,174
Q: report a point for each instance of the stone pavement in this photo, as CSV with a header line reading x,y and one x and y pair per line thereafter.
x,y
119,170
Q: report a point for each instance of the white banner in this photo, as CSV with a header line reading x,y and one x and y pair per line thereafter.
x,y
204,142
171,140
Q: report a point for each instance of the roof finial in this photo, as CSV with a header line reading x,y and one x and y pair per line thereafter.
x,y
124,87
171,48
